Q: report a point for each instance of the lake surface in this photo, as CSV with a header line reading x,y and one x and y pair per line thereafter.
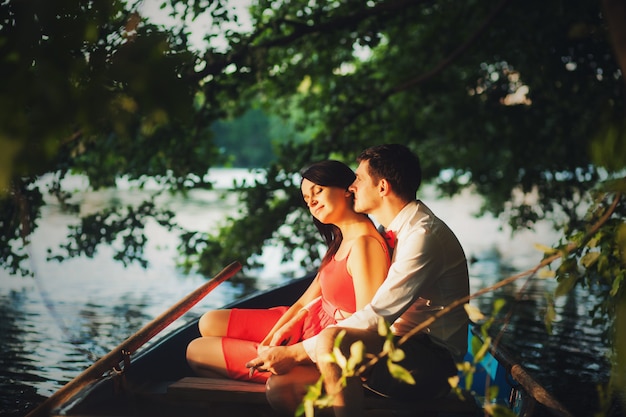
x,y
57,323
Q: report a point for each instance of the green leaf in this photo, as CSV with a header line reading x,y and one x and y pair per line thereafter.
x,y
388,346
396,355
546,273
566,284
498,304
340,359
498,410
589,259
473,312
492,392
469,380
547,250
357,352
383,327
550,316
400,373
476,344
312,396
617,283
480,354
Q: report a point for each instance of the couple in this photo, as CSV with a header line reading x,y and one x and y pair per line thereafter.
x,y
428,270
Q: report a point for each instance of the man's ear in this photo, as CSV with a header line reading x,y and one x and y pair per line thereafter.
x,y
384,188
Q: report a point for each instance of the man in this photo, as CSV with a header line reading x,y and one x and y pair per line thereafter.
x,y
428,272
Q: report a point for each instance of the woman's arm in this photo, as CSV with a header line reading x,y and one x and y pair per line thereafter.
x,y
296,313
368,264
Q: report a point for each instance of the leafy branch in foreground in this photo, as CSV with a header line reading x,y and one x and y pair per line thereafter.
x,y
479,348
350,367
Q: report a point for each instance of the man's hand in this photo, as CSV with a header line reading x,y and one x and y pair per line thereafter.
x,y
279,359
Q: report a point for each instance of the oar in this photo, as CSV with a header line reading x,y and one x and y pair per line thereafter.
x,y
130,345
537,392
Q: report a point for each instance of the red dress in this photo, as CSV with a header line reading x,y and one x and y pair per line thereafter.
x,y
248,327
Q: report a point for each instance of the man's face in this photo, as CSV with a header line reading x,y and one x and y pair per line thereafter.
x,y
366,196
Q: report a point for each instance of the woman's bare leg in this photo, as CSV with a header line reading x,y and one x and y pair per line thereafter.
x,y
206,357
214,323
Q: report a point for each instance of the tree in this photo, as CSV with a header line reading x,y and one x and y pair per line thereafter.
x,y
521,101
246,139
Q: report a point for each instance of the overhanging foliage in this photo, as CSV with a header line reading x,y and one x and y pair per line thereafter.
x,y
505,97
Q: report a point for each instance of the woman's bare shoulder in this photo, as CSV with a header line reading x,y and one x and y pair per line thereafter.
x,y
367,243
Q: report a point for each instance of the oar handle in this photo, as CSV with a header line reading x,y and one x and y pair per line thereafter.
x,y
130,345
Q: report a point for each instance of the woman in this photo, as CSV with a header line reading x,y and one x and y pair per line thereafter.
x,y
352,269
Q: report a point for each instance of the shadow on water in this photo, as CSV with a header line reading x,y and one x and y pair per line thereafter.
x,y
19,369
101,304
571,361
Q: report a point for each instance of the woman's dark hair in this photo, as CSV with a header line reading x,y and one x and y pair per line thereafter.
x,y
397,164
329,173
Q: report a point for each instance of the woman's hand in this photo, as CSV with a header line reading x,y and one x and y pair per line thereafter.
x,y
288,334
279,360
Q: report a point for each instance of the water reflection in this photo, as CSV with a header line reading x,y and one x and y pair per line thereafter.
x,y
58,323
570,362
20,373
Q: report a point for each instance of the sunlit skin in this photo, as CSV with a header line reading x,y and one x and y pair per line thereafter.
x,y
367,264
374,197
327,204
280,352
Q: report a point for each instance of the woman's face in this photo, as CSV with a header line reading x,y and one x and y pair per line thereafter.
x,y
326,204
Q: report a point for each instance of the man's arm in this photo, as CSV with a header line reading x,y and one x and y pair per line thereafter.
x,y
413,267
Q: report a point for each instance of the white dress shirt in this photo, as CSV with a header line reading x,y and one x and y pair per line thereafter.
x,y
428,271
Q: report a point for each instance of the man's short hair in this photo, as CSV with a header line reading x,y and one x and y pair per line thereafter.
x,y
398,165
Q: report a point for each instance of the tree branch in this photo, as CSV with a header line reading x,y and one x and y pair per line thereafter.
x,y
217,63
458,303
447,61
437,69
571,247
615,14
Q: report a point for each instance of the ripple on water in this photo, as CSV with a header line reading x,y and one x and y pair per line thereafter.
x,y
54,326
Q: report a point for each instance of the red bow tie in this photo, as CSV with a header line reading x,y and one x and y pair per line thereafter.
x,y
390,237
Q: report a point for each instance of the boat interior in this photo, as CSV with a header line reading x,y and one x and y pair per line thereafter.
x,y
158,382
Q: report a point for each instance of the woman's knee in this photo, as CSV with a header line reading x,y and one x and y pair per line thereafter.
x,y
280,394
192,353
206,357
214,323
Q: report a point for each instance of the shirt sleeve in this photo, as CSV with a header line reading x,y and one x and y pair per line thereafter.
x,y
309,347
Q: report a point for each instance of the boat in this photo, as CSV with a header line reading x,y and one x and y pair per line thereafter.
x,y
155,380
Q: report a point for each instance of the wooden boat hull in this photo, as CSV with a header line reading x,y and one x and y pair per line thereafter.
x,y
158,382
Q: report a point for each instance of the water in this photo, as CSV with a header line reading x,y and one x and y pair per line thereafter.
x,y
56,324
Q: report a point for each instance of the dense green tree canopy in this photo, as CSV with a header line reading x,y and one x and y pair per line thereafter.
x,y
496,95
